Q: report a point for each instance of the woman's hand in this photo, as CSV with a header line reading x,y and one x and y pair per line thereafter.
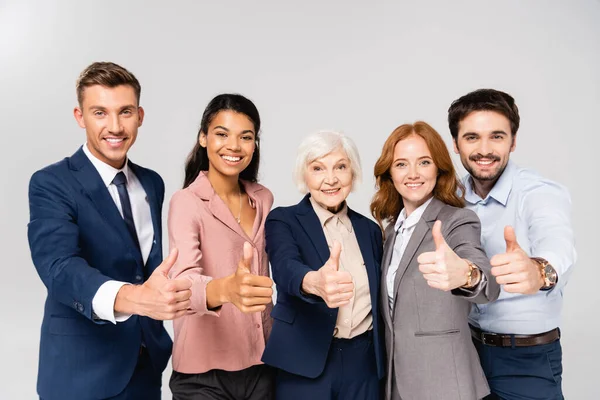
x,y
248,292
443,269
333,286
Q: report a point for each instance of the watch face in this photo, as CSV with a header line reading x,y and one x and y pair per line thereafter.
x,y
550,273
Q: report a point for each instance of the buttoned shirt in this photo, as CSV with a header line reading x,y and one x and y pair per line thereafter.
x,y
104,299
355,317
539,210
404,228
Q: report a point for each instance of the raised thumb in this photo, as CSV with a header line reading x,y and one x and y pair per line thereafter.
x,y
438,238
334,256
245,263
167,263
511,239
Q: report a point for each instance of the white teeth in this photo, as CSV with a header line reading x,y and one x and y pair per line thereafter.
x,y
232,159
114,140
330,191
413,185
484,162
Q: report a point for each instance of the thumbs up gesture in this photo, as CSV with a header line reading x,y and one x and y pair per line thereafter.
x,y
335,287
248,292
514,269
442,268
159,297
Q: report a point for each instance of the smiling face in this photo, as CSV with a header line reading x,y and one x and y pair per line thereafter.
x,y
229,143
329,180
413,172
484,143
111,118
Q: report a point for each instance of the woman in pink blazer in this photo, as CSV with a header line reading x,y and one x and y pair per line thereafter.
x,y
217,223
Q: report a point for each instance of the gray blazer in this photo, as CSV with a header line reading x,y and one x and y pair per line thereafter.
x,y
428,341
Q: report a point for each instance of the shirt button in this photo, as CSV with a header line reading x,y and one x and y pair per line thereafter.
x,y
138,278
154,241
347,321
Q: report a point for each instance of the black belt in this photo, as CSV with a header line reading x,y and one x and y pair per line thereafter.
x,y
506,340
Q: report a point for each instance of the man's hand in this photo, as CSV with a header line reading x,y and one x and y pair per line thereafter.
x,y
248,292
442,268
159,297
335,287
514,269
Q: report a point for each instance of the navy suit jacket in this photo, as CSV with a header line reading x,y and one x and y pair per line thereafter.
x,y
303,324
78,241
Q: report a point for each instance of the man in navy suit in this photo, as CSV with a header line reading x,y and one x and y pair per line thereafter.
x,y
95,239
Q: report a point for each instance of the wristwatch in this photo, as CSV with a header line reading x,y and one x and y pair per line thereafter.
x,y
473,276
548,273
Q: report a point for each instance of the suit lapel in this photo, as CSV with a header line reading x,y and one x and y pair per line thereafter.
x,y
155,212
312,226
422,228
94,188
388,250
363,237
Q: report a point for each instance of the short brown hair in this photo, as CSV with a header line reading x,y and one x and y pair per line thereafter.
x,y
483,100
106,74
387,202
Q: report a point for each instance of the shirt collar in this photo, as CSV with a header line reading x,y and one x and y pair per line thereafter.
x,y
499,192
325,215
413,218
107,172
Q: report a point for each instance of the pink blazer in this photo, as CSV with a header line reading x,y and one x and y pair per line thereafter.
x,y
210,243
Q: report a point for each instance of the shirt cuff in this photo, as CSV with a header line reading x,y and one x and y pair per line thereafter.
x,y
471,292
103,303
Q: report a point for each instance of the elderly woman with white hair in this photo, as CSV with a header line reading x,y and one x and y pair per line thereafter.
x,y
325,260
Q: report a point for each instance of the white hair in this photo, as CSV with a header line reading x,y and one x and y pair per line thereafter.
x,y
319,144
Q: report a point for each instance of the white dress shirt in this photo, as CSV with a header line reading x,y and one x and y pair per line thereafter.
x,y
404,229
104,300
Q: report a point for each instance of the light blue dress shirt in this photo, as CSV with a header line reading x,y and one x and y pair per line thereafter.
x,y
539,210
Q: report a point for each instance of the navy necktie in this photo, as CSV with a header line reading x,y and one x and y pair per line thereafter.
x,y
120,182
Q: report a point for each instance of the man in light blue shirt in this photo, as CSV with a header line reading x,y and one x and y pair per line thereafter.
x,y
526,232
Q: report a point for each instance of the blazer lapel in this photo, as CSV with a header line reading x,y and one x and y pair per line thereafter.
x,y
388,251
421,229
363,237
219,209
94,188
312,226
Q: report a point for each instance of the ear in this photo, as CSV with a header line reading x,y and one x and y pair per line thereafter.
x,y
141,114
78,114
513,146
455,145
202,139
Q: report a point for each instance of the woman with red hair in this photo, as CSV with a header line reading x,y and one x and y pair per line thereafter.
x,y
433,268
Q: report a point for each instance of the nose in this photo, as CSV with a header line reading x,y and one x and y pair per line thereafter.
x,y
331,178
233,143
413,172
114,124
484,147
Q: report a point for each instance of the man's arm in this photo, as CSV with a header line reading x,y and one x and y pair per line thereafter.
x,y
547,210
53,236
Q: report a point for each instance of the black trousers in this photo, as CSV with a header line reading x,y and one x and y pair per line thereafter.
x,y
254,383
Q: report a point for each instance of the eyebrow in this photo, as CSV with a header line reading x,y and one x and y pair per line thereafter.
x,y
404,159
95,107
498,132
227,130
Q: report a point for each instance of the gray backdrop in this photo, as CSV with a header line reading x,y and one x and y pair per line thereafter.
x,y
363,67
